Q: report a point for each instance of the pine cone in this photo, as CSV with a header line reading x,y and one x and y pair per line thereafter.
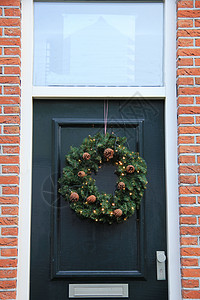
x,y
86,156
117,212
121,185
108,153
130,169
91,199
81,174
74,197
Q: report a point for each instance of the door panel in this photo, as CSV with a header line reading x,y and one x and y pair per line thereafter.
x,y
66,249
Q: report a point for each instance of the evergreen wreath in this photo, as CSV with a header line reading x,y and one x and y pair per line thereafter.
x,y
79,188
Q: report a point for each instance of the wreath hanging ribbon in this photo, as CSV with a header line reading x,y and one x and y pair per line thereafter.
x,y
79,188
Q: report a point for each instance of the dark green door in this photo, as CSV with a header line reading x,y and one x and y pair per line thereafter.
x,y
66,249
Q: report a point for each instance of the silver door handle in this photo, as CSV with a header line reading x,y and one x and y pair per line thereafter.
x,y
160,262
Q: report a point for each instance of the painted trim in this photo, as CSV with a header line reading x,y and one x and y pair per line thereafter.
x,y
23,278
173,236
87,92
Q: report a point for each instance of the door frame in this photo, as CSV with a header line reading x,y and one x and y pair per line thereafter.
x,y
169,93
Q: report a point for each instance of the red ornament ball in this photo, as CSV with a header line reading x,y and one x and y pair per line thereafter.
x,y
130,169
121,185
117,212
74,197
86,156
91,199
108,153
81,174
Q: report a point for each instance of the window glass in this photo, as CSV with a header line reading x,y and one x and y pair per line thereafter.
x,y
98,44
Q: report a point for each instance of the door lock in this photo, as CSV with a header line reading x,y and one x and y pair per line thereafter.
x,y
160,261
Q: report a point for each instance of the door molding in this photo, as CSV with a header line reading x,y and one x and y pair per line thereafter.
x,y
174,278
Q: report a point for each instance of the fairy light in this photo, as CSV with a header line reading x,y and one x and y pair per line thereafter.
x,y
132,208
122,174
113,204
102,209
96,220
123,157
86,202
120,163
111,213
116,163
130,194
123,167
81,212
94,211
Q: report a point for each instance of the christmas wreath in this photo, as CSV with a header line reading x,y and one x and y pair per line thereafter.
x,y
79,188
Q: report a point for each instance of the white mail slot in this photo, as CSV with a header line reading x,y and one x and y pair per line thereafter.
x,y
98,290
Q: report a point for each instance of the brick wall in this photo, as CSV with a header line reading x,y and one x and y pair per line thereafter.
x,y
188,84
9,143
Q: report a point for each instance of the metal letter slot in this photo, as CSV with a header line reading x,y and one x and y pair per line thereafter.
x,y
160,261
98,290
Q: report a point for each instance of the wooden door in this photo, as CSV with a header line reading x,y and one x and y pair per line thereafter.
x,y
66,249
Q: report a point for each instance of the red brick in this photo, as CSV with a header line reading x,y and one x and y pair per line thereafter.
x,y
8,284
185,42
10,2
193,262
186,140
8,263
10,190
9,139
5,159
197,80
8,242
8,220
186,159
185,120
12,31
189,241
7,295
9,80
197,23
185,100
189,110
11,90
9,252
197,42
8,274
190,283
185,3
9,61
11,109
12,12
9,179
10,21
191,294
189,130
9,200
9,119
197,3
185,81
189,91
189,230
9,100
10,169
188,13
187,179
188,52
188,71
0,11
198,139
185,61
185,23
11,129
189,149
9,231
189,190
185,200
11,149
197,100
9,210
12,70
12,51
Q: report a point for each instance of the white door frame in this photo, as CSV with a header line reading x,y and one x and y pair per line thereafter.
x,y
174,277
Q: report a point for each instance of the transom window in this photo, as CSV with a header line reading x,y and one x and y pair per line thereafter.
x,y
98,44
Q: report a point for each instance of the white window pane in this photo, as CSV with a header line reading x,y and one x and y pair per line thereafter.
x,y
98,44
